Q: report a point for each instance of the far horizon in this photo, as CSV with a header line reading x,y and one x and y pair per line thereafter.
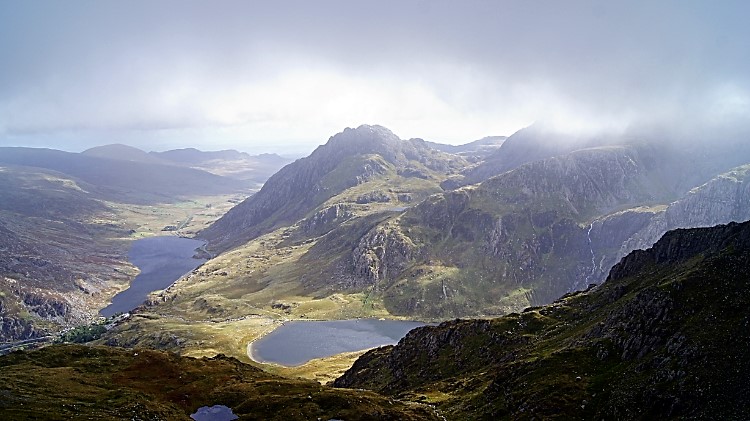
x,y
292,150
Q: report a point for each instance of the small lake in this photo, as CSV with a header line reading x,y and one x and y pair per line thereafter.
x,y
162,260
294,343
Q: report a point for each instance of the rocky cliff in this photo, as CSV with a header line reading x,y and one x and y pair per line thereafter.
x,y
723,199
663,338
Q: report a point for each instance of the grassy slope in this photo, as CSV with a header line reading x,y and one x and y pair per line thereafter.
x,y
69,381
663,338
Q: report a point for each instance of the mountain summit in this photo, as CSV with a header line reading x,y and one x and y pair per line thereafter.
x,y
348,159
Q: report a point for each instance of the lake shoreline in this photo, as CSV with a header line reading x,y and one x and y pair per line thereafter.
x,y
298,346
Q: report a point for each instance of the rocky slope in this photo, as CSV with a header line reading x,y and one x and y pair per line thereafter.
x,y
79,382
515,240
348,159
60,256
663,338
723,199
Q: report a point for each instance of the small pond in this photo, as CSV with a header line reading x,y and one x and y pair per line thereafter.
x,y
162,260
294,343
214,413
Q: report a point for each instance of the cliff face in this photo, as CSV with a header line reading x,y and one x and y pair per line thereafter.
x,y
661,339
723,199
515,240
350,158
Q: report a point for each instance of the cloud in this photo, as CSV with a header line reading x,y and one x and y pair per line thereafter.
x,y
243,73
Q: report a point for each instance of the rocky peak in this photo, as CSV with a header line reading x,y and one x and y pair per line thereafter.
x,y
348,159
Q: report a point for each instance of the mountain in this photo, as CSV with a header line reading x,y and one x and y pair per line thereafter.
x,y
349,159
122,180
515,240
723,199
104,383
662,338
192,156
226,163
529,144
123,153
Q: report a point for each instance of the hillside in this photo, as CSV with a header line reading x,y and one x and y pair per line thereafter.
x,y
64,240
515,240
79,382
662,338
61,253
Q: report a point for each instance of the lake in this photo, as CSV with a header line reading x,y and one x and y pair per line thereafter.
x,y
162,260
296,342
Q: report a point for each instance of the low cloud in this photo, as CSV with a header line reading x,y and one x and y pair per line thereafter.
x,y
246,75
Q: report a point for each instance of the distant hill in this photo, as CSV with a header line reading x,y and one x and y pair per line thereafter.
x,y
123,153
192,156
481,147
128,181
229,163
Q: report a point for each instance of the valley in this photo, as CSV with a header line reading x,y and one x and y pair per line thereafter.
x,y
369,226
384,242
66,235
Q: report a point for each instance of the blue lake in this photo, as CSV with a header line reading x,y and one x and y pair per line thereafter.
x,y
162,260
294,343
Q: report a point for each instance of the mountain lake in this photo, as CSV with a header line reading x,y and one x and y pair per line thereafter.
x,y
162,260
297,342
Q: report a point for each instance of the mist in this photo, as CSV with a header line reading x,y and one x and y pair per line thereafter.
x,y
283,77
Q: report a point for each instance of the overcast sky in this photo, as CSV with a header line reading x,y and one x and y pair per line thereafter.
x,y
283,76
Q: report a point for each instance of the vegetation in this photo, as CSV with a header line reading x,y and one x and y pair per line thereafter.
x,y
104,383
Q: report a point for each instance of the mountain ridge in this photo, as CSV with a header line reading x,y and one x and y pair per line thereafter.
x,y
349,158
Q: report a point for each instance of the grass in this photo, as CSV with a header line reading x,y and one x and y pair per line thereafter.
x,y
68,381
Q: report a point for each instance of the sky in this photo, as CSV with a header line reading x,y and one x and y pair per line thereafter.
x,y
284,76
